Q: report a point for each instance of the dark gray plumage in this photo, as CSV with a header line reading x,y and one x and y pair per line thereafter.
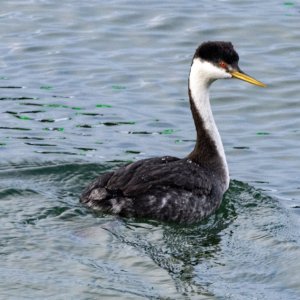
x,y
168,188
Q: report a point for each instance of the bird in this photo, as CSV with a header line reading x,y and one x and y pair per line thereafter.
x,y
170,189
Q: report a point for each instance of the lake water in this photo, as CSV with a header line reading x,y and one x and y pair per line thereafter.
x,y
87,86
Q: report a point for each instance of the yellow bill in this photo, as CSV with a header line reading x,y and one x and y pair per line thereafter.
x,y
243,76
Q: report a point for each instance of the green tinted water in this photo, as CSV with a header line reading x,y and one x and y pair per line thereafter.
x,y
86,87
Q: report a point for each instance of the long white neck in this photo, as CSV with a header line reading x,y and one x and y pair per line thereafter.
x,y
209,147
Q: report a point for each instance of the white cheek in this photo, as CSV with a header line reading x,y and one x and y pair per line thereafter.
x,y
208,71
215,72
220,74
226,74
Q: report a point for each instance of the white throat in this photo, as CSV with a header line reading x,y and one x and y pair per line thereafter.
x,y
201,76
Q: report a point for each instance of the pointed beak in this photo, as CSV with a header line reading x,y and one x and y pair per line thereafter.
x,y
239,74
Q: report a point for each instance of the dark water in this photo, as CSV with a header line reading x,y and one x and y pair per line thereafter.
x,y
88,86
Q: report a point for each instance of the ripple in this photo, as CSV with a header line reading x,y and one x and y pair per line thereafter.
x,y
39,144
56,68
15,128
11,87
18,98
11,192
56,152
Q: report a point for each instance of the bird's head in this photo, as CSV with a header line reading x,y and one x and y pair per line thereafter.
x,y
218,60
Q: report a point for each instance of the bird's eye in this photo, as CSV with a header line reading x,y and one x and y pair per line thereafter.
x,y
223,65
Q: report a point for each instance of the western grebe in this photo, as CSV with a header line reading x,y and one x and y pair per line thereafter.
x,y
168,188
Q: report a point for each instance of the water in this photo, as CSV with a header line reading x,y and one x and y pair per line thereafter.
x,y
88,86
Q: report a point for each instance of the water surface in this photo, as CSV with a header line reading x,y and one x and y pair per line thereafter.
x,y
88,86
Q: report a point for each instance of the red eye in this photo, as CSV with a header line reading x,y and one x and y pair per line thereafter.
x,y
222,64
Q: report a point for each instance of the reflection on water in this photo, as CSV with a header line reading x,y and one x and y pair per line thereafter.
x,y
247,244
88,86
